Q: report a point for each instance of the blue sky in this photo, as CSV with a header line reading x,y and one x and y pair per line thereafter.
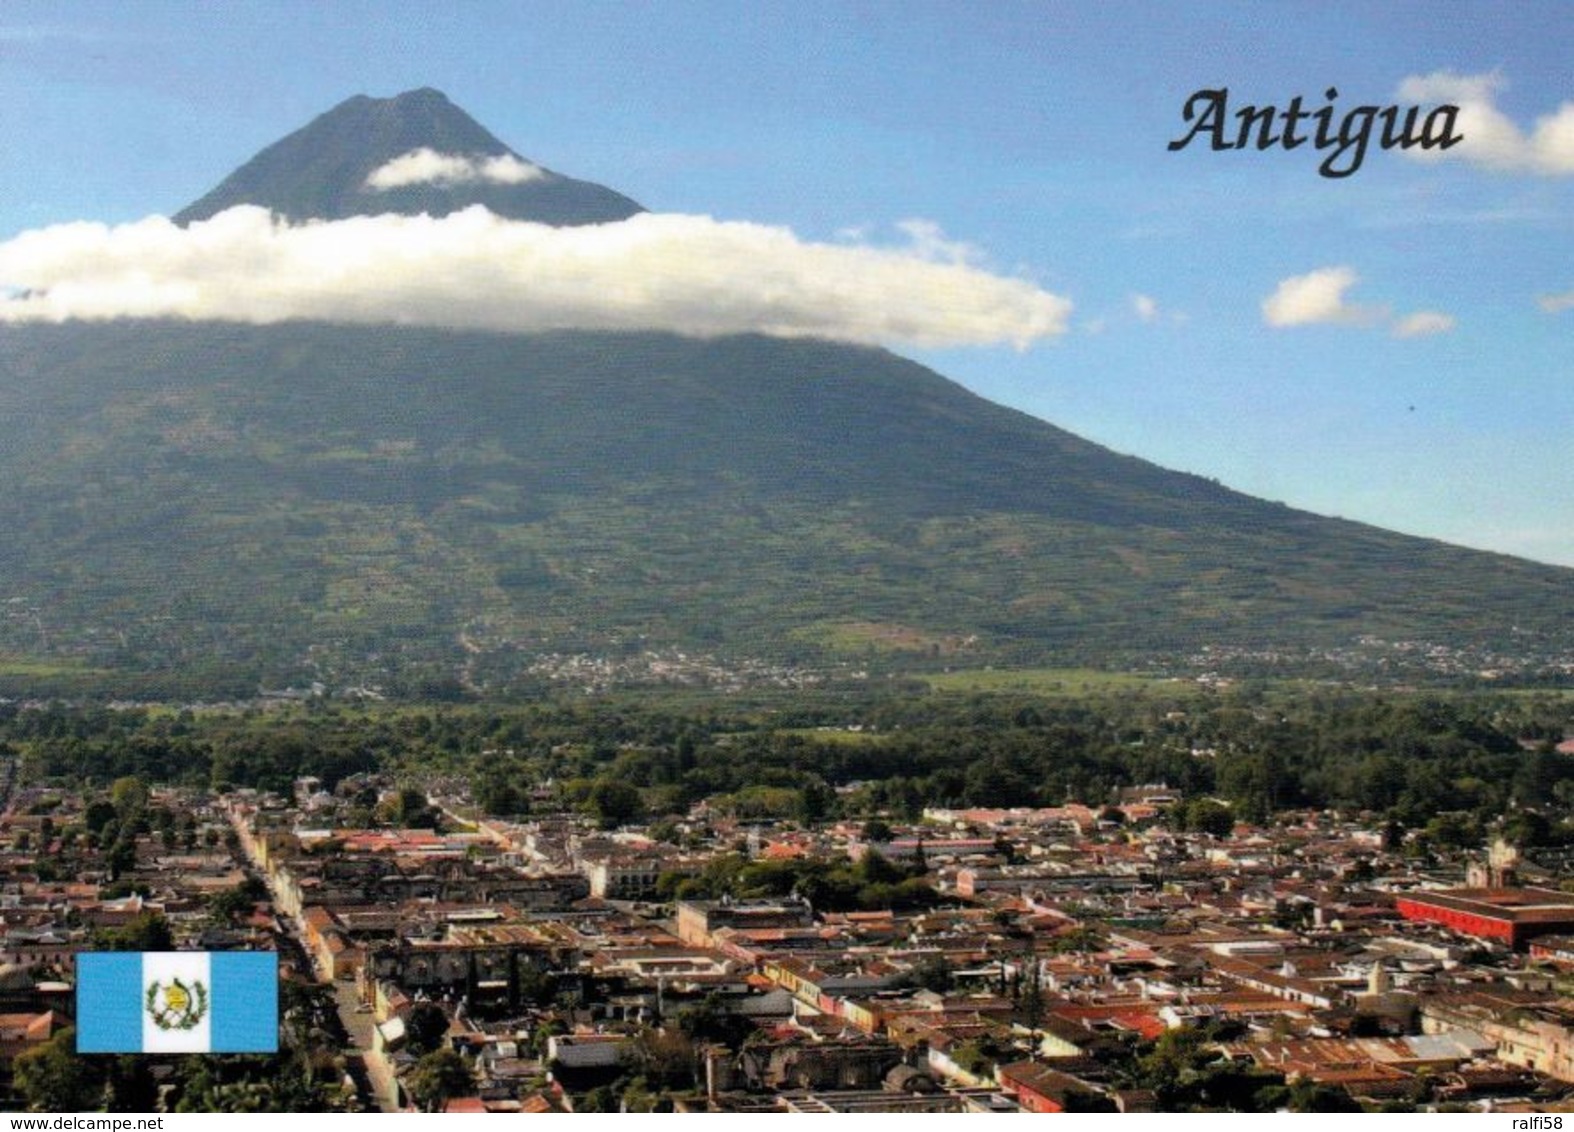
x,y
1033,133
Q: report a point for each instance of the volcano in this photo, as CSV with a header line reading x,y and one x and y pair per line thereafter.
x,y
202,508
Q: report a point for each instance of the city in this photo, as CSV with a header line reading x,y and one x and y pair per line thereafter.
x,y
517,942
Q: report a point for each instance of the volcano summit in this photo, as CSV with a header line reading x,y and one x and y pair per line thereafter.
x,y
329,170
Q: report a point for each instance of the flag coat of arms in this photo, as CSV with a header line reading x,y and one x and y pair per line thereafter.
x,y
177,1002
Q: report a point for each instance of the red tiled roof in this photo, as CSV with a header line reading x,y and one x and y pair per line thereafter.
x,y
1143,1022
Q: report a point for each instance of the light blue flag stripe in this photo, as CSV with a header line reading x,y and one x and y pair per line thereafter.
x,y
109,1002
245,1001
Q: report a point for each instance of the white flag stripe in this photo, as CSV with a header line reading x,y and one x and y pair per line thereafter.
x,y
192,969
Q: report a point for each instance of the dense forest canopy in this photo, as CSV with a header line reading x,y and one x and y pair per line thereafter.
x,y
1260,749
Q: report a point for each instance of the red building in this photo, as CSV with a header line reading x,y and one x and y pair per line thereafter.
x,y
1511,916
1038,1088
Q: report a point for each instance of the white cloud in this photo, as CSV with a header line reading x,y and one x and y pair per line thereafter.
x,y
1145,307
1491,138
428,167
1423,323
1554,304
1316,297
688,274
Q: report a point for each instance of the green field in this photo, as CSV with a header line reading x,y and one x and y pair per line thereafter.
x,y
835,735
1049,681
32,666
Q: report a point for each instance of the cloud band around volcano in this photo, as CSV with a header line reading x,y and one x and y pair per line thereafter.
x,y
474,270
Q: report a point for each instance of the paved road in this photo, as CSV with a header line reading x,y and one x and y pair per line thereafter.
x,y
359,1026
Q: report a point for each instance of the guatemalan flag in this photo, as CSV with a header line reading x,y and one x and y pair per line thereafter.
x,y
177,1002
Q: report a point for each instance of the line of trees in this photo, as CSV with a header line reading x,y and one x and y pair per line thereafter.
x,y
1409,756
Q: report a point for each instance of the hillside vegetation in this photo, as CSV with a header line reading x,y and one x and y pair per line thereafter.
x,y
275,504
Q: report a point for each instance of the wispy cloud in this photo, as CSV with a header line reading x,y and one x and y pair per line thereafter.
x,y
1554,304
1145,307
688,274
928,242
428,167
1319,298
1491,138
1423,323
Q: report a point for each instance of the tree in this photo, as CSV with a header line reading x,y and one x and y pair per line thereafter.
x,y
1527,829
439,1077
934,973
224,908
666,1058
411,809
614,802
128,795
1203,815
52,1078
148,931
533,981
599,1099
121,857
876,831
816,801
425,1026
129,1087
1083,937
1454,831
872,868
709,1020
495,794
1308,1096
98,815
